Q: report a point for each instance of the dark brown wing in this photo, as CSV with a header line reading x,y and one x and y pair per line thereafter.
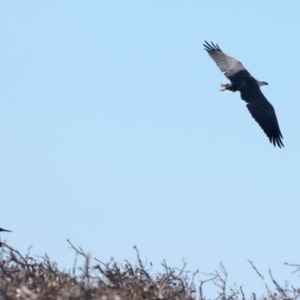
x,y
262,111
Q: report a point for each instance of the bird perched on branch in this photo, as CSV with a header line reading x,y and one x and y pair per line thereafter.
x,y
1,229
241,80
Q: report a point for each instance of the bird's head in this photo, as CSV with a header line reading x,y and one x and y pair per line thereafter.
x,y
261,83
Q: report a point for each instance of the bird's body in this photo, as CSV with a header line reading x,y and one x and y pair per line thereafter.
x,y
1,229
241,80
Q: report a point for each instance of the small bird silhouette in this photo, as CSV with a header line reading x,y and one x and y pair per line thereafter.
x,y
1,229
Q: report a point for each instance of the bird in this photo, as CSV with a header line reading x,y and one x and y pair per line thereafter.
x,y
241,80
1,229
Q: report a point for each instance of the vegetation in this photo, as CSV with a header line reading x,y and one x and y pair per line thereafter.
x,y
24,277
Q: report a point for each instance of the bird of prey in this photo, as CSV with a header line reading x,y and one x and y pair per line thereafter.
x,y
1,229
241,80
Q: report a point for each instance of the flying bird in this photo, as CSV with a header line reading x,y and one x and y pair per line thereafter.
x,y
241,80
1,229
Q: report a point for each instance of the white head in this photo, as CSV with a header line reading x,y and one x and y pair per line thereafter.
x,y
261,83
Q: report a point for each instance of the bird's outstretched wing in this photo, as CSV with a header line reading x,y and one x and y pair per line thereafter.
x,y
262,111
234,70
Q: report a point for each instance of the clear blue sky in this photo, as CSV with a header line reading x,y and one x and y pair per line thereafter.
x,y
113,134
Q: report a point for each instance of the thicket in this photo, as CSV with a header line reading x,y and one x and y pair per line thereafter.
x,y
25,277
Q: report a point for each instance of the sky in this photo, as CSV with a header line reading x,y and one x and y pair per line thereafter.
x,y
113,133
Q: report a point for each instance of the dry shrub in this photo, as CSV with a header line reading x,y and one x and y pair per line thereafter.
x,y
24,277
